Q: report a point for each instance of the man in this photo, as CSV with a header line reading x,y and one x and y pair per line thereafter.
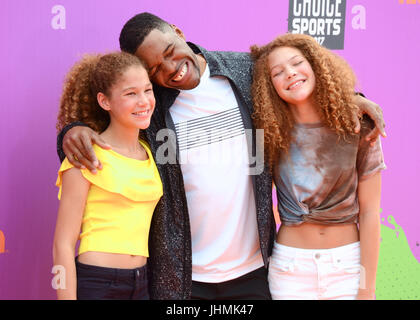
x,y
213,230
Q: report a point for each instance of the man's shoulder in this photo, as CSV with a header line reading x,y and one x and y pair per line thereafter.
x,y
232,55
225,62
231,59
220,54
231,64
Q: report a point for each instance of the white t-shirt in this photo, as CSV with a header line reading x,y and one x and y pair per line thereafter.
x,y
219,190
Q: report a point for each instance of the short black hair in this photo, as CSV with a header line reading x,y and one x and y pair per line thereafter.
x,y
137,28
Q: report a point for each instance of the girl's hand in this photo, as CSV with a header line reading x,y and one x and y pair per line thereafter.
x,y
365,295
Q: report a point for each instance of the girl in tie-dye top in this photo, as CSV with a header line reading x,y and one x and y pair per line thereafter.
x,y
325,171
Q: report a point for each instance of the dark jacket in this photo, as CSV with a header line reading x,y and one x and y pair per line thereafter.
x,y
170,261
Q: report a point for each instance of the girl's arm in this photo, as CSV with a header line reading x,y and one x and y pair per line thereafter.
x,y
369,193
70,212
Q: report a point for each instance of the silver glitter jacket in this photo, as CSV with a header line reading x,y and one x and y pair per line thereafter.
x,y
170,255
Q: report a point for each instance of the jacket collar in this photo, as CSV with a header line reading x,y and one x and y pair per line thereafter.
x,y
211,59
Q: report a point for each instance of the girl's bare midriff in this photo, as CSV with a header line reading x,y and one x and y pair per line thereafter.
x,y
316,236
112,260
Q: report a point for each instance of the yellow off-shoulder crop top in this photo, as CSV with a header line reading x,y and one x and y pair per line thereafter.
x,y
120,203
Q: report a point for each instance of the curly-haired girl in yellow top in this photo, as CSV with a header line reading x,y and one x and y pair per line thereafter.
x,y
110,211
326,175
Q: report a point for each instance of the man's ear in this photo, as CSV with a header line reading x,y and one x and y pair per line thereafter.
x,y
178,31
103,101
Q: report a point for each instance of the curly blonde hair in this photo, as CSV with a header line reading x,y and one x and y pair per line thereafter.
x,y
333,93
94,73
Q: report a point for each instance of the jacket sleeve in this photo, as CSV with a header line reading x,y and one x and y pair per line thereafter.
x,y
61,135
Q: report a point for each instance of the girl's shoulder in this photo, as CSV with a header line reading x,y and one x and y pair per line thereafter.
x,y
73,177
132,178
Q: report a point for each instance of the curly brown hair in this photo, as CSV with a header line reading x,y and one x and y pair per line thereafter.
x,y
94,73
333,93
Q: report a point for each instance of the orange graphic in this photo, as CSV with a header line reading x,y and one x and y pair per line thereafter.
x,y
2,242
409,1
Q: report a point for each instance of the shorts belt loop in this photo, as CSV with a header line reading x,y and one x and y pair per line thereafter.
x,y
116,276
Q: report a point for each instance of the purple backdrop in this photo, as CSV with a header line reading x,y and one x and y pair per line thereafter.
x,y
35,57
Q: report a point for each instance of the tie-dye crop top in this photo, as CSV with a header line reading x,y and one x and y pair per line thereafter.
x,y
317,181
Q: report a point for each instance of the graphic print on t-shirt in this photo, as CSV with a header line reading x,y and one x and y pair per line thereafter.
x,y
210,129
213,156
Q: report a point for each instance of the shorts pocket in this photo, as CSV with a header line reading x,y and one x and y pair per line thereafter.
x,y
348,266
282,265
353,269
94,283
92,288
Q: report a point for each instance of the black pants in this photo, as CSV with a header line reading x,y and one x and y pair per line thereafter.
x,y
251,286
99,283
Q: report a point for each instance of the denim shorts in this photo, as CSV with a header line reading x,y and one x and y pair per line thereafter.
x,y
315,274
100,283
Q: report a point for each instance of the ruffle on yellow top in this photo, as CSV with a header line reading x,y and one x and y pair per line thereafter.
x,y
120,203
132,178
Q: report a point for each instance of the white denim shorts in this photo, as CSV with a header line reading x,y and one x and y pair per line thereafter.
x,y
315,274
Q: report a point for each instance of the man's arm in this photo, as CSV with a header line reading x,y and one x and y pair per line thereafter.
x,y
61,135
75,142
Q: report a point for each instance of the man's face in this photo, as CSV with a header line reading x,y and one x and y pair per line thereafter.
x,y
170,61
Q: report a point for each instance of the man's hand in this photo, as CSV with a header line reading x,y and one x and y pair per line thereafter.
x,y
77,145
375,113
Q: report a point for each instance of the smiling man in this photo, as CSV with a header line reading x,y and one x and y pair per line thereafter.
x,y
204,98
213,230
171,63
